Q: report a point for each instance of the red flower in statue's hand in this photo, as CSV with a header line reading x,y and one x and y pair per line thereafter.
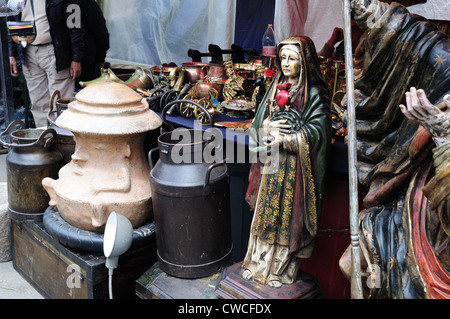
x,y
282,97
270,73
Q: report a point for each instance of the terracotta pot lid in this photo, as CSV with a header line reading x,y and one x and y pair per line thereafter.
x,y
108,108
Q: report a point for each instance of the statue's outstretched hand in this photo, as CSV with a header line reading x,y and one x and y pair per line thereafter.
x,y
435,121
359,6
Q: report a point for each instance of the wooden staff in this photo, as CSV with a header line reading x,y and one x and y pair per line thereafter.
x,y
356,284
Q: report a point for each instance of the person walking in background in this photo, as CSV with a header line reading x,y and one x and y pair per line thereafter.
x,y
96,41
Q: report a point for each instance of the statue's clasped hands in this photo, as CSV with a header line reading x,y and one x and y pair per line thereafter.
x,y
274,132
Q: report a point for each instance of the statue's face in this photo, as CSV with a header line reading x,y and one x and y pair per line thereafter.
x,y
290,62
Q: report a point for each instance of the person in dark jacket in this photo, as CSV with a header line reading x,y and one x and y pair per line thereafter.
x,y
53,60
96,41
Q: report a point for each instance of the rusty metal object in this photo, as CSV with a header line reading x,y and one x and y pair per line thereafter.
x,y
108,171
65,142
31,157
140,79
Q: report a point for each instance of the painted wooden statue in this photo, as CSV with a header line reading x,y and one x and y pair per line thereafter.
x,y
404,243
287,200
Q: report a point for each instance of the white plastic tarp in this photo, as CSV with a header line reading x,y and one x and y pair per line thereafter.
x,y
433,9
162,31
324,15
315,19
289,18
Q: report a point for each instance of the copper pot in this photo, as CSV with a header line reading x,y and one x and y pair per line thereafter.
x,y
168,67
194,71
203,89
217,71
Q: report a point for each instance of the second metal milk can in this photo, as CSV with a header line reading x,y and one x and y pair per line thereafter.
x,y
191,205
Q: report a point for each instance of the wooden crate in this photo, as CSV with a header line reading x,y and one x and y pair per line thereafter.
x,y
58,272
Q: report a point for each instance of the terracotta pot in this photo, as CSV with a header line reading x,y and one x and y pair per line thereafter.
x,y
108,171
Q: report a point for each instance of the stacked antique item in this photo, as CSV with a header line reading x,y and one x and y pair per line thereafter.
x,y
233,87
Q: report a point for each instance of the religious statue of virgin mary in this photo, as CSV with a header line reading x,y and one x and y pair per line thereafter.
x,y
294,116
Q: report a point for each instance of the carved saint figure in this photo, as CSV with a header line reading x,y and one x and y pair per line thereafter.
x,y
287,199
404,247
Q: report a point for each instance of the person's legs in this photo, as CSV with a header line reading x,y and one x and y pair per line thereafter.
x,y
37,84
43,80
61,81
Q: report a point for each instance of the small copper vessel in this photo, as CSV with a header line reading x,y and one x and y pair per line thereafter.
x,y
108,171
203,89
194,71
217,71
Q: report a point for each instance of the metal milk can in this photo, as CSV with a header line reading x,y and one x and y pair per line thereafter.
x,y
64,142
31,157
191,205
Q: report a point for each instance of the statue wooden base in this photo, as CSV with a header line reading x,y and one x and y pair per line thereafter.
x,y
231,285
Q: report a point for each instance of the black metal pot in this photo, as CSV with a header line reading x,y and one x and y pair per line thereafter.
x,y
31,157
191,205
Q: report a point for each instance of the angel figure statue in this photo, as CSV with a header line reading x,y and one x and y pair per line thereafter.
x,y
404,244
